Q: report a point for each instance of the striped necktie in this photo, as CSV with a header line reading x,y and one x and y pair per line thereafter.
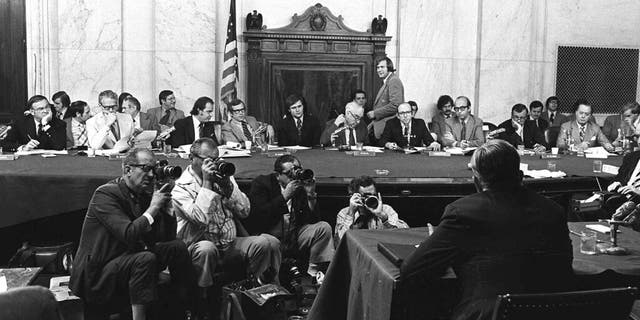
x,y
247,133
582,132
82,137
463,132
299,127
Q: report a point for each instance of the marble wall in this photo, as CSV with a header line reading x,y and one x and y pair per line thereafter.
x,y
497,53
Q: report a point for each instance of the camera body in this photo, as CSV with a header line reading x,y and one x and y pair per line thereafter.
x,y
223,168
302,174
371,202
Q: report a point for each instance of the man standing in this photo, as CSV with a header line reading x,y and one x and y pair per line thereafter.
x,y
584,133
128,237
535,113
389,97
464,130
366,210
283,204
347,128
298,127
166,113
445,107
197,125
520,131
76,125
109,129
241,128
37,130
141,120
208,204
503,239
552,115
405,131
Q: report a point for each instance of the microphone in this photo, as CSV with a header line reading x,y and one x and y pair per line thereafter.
x,y
496,132
625,210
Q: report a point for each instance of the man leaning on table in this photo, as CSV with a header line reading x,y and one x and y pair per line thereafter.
x,y
503,239
584,133
347,128
37,130
109,129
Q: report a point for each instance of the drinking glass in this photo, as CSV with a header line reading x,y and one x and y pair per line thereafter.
x,y
588,242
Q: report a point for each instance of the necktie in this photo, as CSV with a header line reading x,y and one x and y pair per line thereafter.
x,y
201,129
39,129
463,132
551,117
582,129
82,138
114,130
165,119
299,127
246,131
406,131
349,137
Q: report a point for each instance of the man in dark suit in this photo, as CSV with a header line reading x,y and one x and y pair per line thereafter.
x,y
628,178
128,237
346,129
37,130
298,127
389,97
520,131
197,125
405,131
76,125
551,114
61,103
503,239
284,204
535,113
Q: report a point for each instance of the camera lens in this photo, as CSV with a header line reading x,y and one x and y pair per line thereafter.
x,y
371,202
225,169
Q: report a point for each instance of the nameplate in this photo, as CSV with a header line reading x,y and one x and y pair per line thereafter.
x,y
438,154
10,156
607,168
549,156
362,153
524,166
278,154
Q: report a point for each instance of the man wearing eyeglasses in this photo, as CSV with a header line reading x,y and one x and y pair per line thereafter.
x,y
520,131
128,237
109,129
241,127
404,131
346,129
37,130
464,130
208,204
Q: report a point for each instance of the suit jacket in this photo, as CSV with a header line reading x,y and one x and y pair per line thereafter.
x,y
288,133
174,115
362,134
113,226
557,121
232,130
71,142
502,241
101,137
612,124
389,97
148,122
438,125
419,134
268,207
184,133
593,135
53,137
542,124
531,134
473,135
626,169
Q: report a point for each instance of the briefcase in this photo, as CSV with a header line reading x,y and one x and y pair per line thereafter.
x,y
53,259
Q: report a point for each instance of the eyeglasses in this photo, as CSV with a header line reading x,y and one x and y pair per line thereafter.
x,y
42,109
404,113
519,118
145,167
460,108
204,158
115,106
237,110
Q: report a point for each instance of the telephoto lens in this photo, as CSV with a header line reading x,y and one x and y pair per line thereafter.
x,y
371,202
164,171
303,174
225,169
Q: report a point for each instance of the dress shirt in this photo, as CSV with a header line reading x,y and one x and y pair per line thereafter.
x,y
519,130
344,221
77,130
408,135
136,121
196,128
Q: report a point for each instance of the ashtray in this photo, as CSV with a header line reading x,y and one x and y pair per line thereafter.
x,y
382,172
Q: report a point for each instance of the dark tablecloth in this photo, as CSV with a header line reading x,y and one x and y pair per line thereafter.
x,y
360,281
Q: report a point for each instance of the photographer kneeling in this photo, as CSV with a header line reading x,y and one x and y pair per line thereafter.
x,y
366,210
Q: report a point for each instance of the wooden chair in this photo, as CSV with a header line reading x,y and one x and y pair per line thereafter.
x,y
551,136
610,304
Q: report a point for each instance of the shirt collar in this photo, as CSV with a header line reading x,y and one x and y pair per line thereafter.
x,y
196,122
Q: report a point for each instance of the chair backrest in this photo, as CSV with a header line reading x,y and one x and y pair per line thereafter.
x,y
610,304
490,126
551,136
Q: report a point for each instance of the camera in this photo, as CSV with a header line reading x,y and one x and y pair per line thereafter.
x,y
302,174
164,171
371,202
223,168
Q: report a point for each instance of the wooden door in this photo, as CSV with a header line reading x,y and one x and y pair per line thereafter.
x,y
13,59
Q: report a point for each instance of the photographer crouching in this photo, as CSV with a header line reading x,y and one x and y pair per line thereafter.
x,y
284,204
366,210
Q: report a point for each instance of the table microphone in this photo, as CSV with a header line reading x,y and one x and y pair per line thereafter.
x,y
624,210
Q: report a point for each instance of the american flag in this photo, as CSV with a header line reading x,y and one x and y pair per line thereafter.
x,y
230,65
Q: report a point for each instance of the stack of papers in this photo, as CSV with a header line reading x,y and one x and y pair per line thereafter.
x,y
295,147
231,153
460,151
373,149
597,153
59,286
40,151
537,174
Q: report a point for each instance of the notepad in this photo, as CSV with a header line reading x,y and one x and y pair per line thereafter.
x,y
599,228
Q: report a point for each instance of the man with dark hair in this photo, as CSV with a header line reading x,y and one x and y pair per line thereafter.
x,y
535,112
284,204
366,210
582,132
404,131
37,130
210,201
76,125
414,108
166,113
618,126
241,128
520,131
445,107
197,125
141,121
503,239
298,127
128,237
389,97
359,97
61,103
551,113
464,130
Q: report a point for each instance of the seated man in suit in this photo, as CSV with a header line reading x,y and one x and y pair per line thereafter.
x,y
551,114
76,125
61,103
284,204
141,120
366,210
166,113
37,130
347,128
520,131
464,130
627,180
197,125
298,127
503,239
445,111
110,129
618,126
128,237
404,131
241,128
535,113
581,132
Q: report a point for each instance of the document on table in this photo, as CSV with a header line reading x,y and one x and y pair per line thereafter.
x,y
460,151
144,139
229,153
40,151
296,147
